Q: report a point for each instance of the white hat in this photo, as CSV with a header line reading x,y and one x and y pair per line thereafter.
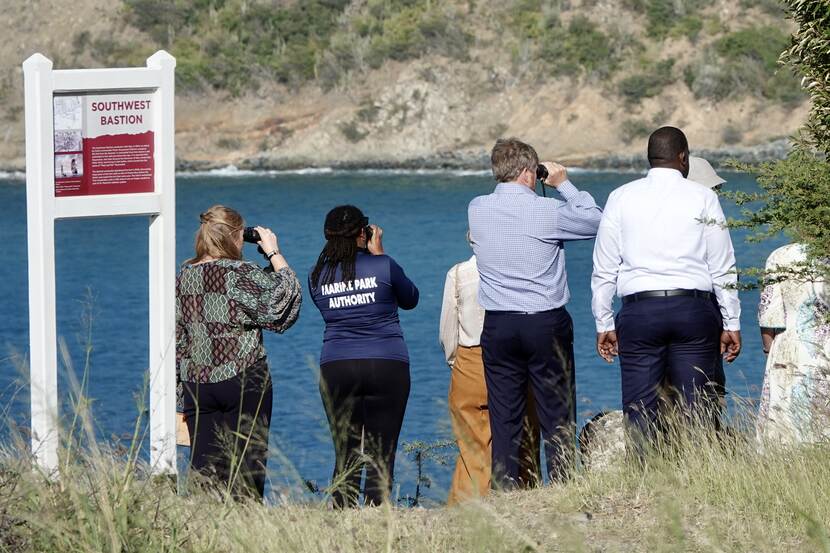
x,y
701,172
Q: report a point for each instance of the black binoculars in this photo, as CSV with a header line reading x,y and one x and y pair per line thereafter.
x,y
250,235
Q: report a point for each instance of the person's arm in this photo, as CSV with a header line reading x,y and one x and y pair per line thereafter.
x,y
607,262
271,248
182,346
772,315
720,259
406,293
578,218
767,337
269,300
448,327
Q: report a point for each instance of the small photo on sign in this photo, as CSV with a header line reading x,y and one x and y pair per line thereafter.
x,y
67,113
69,166
68,140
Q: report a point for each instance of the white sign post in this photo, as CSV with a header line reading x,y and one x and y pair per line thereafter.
x,y
99,143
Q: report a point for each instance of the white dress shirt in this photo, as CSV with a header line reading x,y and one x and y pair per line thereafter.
x,y
462,318
663,232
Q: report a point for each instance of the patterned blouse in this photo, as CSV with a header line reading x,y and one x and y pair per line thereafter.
x,y
221,308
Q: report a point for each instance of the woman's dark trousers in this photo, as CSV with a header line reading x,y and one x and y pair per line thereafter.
x,y
365,401
228,423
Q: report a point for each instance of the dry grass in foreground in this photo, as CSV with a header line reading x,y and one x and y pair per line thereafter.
x,y
702,494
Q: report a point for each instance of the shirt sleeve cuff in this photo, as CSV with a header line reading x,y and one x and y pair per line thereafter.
x,y
732,325
605,326
568,190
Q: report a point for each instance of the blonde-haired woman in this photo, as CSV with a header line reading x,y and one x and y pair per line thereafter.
x,y
222,305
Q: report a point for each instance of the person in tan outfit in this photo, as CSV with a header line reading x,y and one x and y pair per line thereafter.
x,y
462,320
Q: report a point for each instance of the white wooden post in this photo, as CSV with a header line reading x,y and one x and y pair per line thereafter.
x,y
43,208
162,276
40,201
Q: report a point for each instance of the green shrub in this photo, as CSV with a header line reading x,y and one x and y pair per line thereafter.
x,y
632,129
293,42
762,45
795,190
229,143
677,17
772,7
709,78
163,19
784,87
582,47
225,44
80,42
342,56
638,6
635,88
368,112
689,26
526,18
731,135
661,15
405,30
745,62
111,52
352,131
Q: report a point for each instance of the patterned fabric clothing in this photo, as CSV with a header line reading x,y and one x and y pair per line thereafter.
x,y
795,399
221,308
519,240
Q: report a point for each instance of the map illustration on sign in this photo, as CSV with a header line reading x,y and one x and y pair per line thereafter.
x,y
103,144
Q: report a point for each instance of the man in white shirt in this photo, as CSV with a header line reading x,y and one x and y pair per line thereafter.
x,y
663,248
462,320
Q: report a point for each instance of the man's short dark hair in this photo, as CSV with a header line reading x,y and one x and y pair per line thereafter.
x,y
511,156
666,144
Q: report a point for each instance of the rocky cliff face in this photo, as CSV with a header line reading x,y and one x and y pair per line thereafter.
x,y
431,111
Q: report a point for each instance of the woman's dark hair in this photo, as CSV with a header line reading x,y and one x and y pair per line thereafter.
x,y
342,227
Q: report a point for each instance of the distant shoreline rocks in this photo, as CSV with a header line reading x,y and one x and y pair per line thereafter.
x,y
465,161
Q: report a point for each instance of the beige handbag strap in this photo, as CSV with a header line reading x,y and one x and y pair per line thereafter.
x,y
457,305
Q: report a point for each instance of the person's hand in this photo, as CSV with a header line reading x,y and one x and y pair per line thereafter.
x,y
730,344
607,345
267,240
182,433
557,174
375,245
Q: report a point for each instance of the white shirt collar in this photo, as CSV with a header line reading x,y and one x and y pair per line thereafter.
x,y
664,172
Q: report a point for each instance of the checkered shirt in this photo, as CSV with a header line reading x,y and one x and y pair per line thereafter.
x,y
518,238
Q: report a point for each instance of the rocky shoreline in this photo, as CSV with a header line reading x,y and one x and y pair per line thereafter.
x,y
480,160
464,160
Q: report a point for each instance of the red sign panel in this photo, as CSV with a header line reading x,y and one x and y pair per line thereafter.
x,y
104,144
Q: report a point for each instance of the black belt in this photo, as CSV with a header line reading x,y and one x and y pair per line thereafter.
x,y
667,294
523,312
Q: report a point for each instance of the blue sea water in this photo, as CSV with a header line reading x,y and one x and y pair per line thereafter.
x,y
102,270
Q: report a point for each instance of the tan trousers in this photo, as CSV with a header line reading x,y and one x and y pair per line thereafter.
x,y
471,426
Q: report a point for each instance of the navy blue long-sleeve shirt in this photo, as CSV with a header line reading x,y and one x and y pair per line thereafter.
x,y
362,315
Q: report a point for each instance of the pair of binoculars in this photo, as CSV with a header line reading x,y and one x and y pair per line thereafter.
x,y
250,235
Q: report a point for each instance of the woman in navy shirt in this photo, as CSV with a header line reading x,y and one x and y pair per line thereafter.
x,y
364,364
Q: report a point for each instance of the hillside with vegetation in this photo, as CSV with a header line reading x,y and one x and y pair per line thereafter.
x,y
286,83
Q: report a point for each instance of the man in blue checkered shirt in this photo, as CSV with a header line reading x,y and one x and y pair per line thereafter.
x,y
518,239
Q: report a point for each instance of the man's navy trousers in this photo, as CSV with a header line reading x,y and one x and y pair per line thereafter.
x,y
667,339
535,350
